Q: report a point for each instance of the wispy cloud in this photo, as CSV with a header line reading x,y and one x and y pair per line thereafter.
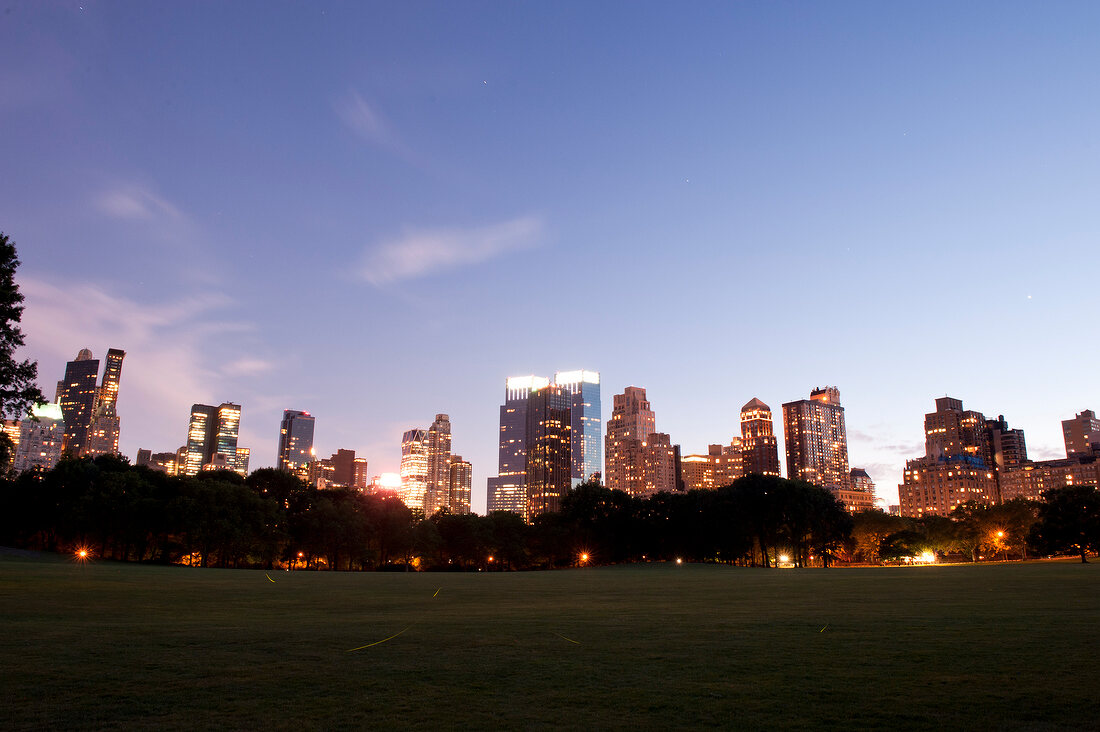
x,y
362,119
247,367
136,203
420,252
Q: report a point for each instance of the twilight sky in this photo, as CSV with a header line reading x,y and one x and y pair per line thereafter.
x,y
376,212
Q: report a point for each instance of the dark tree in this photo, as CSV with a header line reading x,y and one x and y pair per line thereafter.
x,y
1069,521
18,388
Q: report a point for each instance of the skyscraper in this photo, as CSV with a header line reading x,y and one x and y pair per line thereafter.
x,y
759,448
296,442
507,490
816,441
104,428
438,491
414,467
549,465
632,422
1082,434
461,483
76,394
212,439
586,412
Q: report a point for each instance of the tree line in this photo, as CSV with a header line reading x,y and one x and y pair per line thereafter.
x,y
270,519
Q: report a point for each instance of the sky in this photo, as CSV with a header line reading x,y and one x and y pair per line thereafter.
x,y
377,212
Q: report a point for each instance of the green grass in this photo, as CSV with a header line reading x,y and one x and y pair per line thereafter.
x,y
103,645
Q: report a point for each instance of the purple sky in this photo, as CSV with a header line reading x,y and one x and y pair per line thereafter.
x,y
377,212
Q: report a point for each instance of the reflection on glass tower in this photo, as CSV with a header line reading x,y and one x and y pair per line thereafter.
x,y
296,442
507,490
587,422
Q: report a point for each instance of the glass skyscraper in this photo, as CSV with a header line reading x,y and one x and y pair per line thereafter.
x,y
587,426
296,442
213,431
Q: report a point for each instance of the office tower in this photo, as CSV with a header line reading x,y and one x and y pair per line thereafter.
x,y
243,456
759,448
1082,434
104,428
40,442
414,467
461,483
586,413
12,428
212,439
438,491
296,442
632,422
76,394
360,476
335,471
816,441
549,463
507,490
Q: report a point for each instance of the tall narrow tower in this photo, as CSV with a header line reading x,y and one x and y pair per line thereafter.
x,y
414,467
76,394
759,448
506,490
549,464
586,412
438,491
632,422
816,441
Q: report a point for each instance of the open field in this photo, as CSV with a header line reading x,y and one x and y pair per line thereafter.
x,y
120,646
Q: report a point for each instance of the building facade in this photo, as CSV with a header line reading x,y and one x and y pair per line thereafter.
x,y
76,394
437,495
548,474
587,428
40,443
507,491
816,440
632,422
759,447
212,440
1082,434
414,468
461,484
296,442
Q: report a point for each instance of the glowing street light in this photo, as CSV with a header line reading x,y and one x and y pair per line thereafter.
x,y
679,561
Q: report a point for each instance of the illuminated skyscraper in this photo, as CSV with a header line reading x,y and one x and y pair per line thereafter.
x,y
586,412
438,491
507,490
212,439
816,440
104,428
632,422
461,483
76,394
759,448
296,442
549,464
414,467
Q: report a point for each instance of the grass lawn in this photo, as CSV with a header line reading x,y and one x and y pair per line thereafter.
x,y
1006,646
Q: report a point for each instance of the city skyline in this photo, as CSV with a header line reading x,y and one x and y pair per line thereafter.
x,y
410,174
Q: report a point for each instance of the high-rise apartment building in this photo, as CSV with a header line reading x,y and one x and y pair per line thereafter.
x,y
960,462
212,439
859,495
659,464
507,490
360,478
40,442
632,422
461,483
296,442
549,462
816,441
437,495
586,429
759,447
414,468
1082,434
